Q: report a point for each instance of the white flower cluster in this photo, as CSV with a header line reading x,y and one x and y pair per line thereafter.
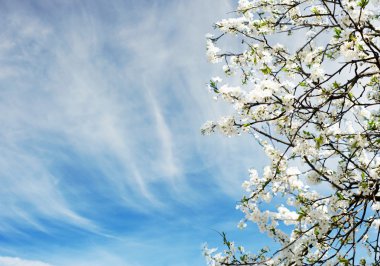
x,y
212,52
313,104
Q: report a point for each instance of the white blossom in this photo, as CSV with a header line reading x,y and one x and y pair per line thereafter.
x,y
311,102
226,125
212,52
376,206
208,128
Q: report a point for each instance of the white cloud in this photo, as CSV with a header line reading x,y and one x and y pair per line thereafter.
x,y
99,109
127,94
12,261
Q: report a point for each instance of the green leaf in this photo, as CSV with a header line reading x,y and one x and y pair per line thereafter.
x,y
301,213
330,55
350,95
266,70
374,80
315,10
340,196
213,86
337,31
363,3
318,142
345,261
244,200
307,133
336,85
303,84
372,125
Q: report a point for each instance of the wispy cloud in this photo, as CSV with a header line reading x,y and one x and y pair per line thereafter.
x,y
10,261
100,107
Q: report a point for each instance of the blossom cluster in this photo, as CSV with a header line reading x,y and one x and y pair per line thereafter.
x,y
312,102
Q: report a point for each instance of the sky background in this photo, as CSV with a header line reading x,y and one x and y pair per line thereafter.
x,y
102,161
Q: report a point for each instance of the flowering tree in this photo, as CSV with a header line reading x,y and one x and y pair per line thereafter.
x,y
312,103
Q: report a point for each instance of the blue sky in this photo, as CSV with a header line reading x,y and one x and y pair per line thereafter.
x,y
101,160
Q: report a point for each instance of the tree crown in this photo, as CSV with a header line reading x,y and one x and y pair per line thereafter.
x,y
312,104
